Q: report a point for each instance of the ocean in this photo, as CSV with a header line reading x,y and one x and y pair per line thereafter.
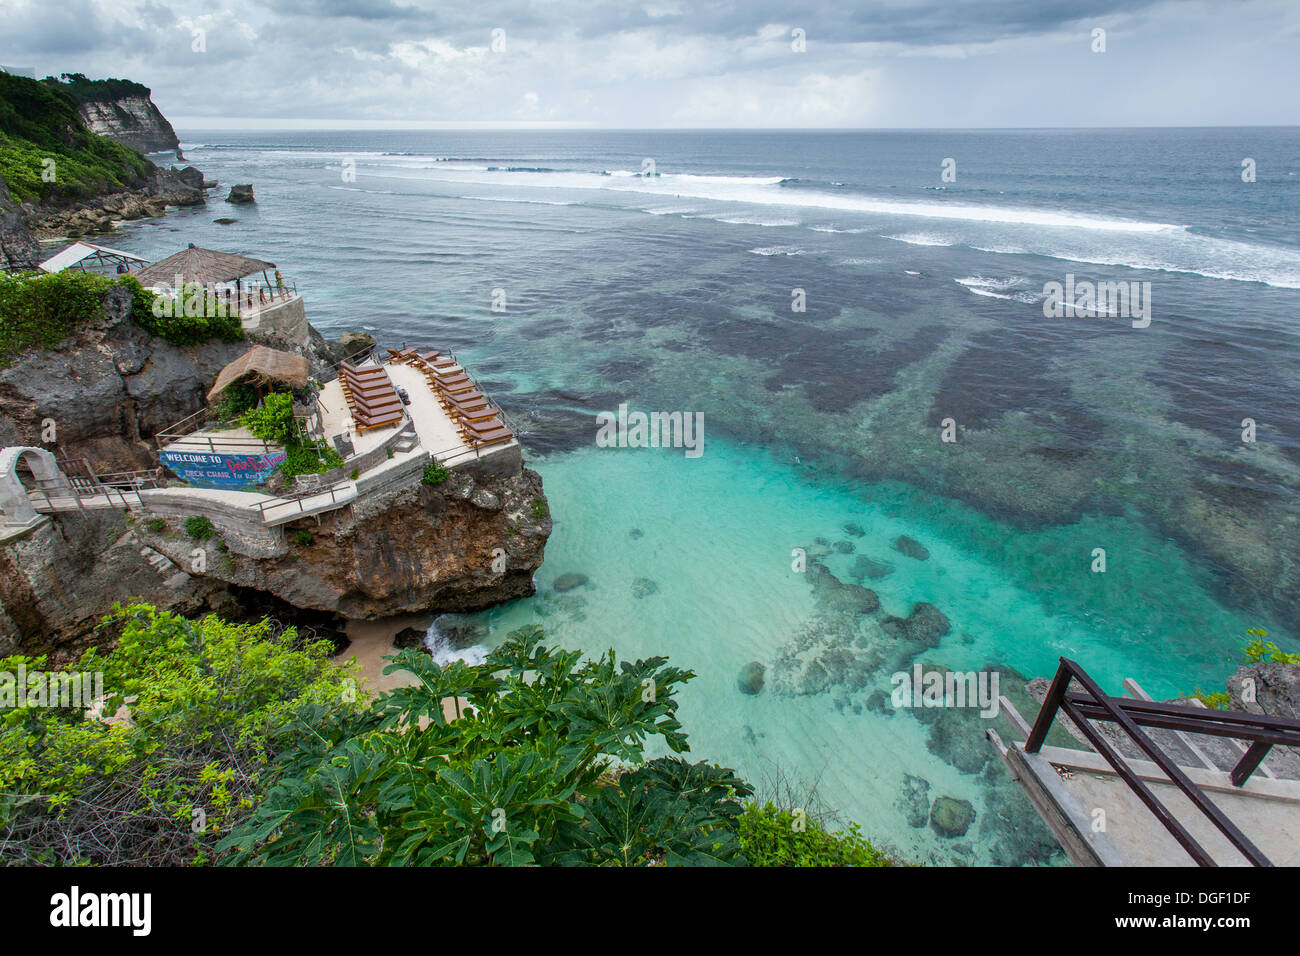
x,y
579,271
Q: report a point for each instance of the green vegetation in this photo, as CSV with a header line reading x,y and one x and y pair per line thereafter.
x,y
541,762
46,151
1255,652
156,525
274,422
200,528
311,458
1219,701
1261,650
238,398
770,836
41,310
435,473
540,509
195,317
84,90
210,705
302,536
245,744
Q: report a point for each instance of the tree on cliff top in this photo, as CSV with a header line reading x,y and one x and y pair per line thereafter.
x,y
82,89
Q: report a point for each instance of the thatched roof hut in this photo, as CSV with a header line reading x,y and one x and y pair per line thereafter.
x,y
207,267
267,364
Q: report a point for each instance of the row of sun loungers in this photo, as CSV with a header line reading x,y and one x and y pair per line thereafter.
x,y
480,423
370,395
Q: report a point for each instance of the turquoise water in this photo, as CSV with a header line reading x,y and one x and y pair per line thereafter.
x,y
716,538
923,302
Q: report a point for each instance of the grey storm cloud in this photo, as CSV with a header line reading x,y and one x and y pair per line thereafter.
x,y
677,62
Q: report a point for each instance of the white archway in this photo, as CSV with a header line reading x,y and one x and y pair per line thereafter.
x,y
14,502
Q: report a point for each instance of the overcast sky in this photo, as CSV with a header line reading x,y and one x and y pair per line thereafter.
x,y
678,63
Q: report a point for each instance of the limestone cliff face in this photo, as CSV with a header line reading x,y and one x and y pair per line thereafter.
x,y
18,247
458,547
59,579
112,386
131,120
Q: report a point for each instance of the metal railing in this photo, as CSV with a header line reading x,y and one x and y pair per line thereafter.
x,y
298,497
1131,715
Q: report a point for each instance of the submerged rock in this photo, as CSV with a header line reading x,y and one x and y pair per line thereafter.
x,y
569,581
926,625
864,567
644,587
636,534
910,547
853,529
815,679
950,817
842,547
750,680
914,800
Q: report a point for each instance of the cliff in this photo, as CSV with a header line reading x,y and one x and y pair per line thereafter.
x,y
463,545
60,178
132,121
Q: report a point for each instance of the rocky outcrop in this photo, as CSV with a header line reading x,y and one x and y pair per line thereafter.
x,y
418,549
241,194
18,247
131,120
148,198
58,579
111,387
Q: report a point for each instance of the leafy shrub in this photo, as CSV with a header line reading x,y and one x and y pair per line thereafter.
x,y
311,458
540,509
1261,650
196,317
273,421
1219,701
770,836
210,703
40,311
302,536
435,473
200,528
525,770
156,525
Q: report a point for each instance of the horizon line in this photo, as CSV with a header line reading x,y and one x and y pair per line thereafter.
x,y
235,124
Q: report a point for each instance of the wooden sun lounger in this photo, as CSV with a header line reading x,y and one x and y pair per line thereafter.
x,y
360,371
454,381
479,414
435,360
462,398
379,388
503,435
479,429
363,426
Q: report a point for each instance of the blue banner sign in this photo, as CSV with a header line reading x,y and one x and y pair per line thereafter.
x,y
204,470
